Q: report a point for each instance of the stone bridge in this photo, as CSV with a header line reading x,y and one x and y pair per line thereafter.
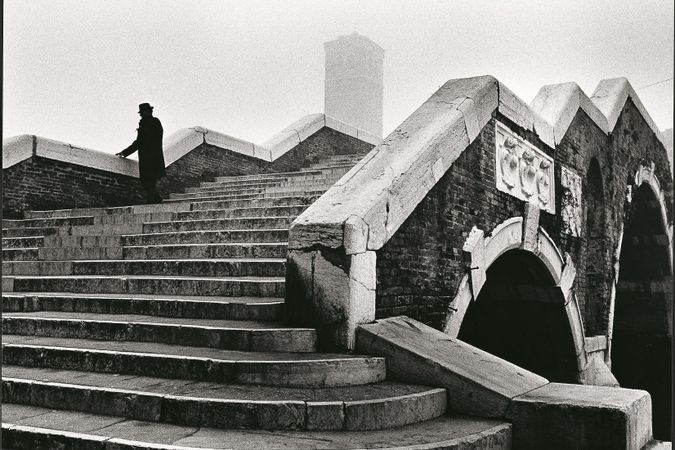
x,y
540,234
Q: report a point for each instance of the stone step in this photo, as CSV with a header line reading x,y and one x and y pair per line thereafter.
x,y
236,223
256,267
184,306
309,181
137,284
206,192
206,404
199,198
193,363
237,184
269,193
20,254
258,202
269,175
207,237
257,211
36,428
109,210
230,250
29,231
47,222
22,242
214,333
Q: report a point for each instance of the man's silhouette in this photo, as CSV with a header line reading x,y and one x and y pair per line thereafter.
x,y
150,155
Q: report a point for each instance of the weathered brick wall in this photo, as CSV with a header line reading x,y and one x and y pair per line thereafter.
x,y
323,143
204,163
419,269
38,183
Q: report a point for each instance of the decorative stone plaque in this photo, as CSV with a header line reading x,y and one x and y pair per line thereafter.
x,y
523,170
570,203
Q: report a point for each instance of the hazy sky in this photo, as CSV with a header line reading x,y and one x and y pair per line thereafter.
x,y
75,70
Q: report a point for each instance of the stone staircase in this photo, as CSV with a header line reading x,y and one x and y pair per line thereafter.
x,y
158,326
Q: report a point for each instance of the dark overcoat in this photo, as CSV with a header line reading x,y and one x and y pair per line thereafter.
x,y
149,146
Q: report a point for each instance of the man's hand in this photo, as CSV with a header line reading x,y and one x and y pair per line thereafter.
x,y
120,155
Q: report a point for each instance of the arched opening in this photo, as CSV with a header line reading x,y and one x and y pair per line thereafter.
x,y
519,315
596,282
641,343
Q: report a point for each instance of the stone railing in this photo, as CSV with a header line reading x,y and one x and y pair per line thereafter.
x,y
42,173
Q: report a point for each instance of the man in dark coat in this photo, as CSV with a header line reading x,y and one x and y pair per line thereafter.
x,y
150,155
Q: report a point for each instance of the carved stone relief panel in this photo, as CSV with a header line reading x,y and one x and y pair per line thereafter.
x,y
570,203
523,170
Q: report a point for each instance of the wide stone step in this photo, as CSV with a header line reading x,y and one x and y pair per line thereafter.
x,y
200,198
257,267
110,210
193,363
36,428
230,250
48,222
22,242
219,224
237,184
206,404
184,306
300,182
207,237
235,191
269,175
28,231
163,285
288,200
259,211
20,254
214,333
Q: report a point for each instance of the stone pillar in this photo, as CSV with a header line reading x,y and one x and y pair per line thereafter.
x,y
353,89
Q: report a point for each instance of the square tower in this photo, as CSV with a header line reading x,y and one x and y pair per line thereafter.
x,y
353,88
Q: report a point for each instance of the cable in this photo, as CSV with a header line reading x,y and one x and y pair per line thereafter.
x,y
654,84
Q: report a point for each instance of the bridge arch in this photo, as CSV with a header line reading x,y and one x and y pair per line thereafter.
x,y
642,310
519,290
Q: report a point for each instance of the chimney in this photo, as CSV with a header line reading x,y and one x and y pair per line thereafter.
x,y
353,87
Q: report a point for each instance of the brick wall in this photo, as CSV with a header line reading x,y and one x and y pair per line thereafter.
x,y
323,143
39,183
419,269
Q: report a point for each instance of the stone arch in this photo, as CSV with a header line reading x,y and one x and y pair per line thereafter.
x,y
522,239
642,308
595,282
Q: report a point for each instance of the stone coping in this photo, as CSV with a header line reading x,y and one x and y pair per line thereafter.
x,y
18,148
366,207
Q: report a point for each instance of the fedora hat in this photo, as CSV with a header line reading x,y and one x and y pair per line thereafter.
x,y
145,107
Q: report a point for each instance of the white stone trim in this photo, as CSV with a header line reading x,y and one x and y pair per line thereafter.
x,y
481,251
611,95
16,149
177,145
559,103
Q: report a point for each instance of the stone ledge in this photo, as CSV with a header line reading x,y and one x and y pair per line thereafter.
x,y
581,416
571,416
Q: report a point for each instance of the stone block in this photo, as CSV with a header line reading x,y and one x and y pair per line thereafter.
x,y
530,228
418,353
394,411
325,416
355,235
180,143
578,416
596,372
228,142
16,149
457,308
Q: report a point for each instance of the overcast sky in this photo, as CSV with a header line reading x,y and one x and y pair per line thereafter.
x,y
75,70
